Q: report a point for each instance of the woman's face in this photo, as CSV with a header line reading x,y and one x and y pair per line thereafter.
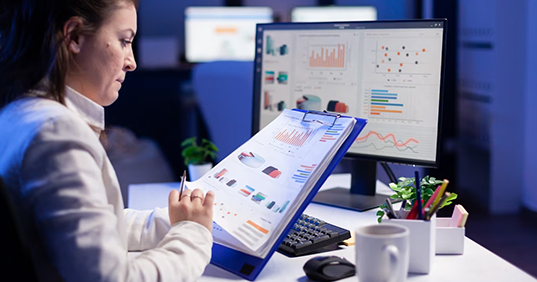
x,y
102,60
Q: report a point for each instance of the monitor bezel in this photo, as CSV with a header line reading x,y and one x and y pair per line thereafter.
x,y
260,28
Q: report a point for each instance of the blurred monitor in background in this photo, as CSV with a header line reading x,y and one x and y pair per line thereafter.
x,y
334,14
222,33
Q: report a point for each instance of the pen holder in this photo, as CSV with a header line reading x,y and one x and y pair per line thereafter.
x,y
449,240
422,243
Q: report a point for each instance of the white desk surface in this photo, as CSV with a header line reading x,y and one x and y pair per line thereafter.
x,y
476,264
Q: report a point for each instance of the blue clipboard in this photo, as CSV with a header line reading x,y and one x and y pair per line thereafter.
x,y
248,266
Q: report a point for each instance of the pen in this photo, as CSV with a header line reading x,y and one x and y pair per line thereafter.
x,y
431,199
418,194
442,190
182,185
438,205
390,207
403,205
414,211
389,214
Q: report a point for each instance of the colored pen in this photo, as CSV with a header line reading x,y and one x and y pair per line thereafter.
x,y
439,204
413,212
182,185
442,190
431,199
418,195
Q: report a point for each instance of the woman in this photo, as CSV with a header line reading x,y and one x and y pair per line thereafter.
x,y
61,61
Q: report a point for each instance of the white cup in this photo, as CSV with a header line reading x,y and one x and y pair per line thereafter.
x,y
382,253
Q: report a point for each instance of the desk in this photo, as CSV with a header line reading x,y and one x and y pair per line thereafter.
x,y
477,263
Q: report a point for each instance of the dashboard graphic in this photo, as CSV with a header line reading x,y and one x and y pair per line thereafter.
x,y
403,57
327,56
387,141
271,49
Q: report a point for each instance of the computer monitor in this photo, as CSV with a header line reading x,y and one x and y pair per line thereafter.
x,y
333,14
388,72
222,33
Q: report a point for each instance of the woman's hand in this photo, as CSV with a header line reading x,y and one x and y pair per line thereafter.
x,y
193,206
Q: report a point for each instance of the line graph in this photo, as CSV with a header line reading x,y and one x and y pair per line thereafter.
x,y
386,141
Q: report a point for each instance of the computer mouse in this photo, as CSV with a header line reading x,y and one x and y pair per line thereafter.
x,y
328,268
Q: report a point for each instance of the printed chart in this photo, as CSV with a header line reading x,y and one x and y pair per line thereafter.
x,y
332,133
296,137
302,174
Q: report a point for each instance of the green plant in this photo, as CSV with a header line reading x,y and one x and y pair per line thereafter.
x,y
198,154
405,190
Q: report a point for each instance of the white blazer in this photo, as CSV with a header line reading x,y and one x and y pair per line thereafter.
x,y
67,194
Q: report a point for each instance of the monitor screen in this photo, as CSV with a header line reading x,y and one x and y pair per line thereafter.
x,y
222,33
334,14
388,72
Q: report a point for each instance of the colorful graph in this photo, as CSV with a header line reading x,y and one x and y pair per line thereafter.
x,y
272,172
246,191
332,132
250,232
222,210
400,57
250,159
389,139
383,102
302,174
220,173
259,197
269,77
295,137
270,49
327,56
283,207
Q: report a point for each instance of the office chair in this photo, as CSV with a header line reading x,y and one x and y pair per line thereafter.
x,y
15,258
224,91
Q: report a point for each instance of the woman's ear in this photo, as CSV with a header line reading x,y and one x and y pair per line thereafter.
x,y
73,37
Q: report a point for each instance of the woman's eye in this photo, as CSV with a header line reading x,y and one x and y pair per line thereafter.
x,y
126,42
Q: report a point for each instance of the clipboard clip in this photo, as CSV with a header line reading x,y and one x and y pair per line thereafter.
x,y
323,117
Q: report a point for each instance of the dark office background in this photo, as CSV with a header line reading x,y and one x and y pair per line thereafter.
x,y
488,126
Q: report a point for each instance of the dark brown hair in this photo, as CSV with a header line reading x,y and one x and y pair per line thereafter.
x,y
32,44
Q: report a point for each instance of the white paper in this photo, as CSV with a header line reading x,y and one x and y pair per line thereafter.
x,y
256,187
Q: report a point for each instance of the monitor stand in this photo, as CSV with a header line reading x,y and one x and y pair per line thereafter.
x,y
362,195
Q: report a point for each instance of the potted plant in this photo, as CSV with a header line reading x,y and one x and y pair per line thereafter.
x,y
198,157
405,190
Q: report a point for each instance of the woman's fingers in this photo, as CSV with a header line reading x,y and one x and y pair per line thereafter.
x,y
173,197
209,199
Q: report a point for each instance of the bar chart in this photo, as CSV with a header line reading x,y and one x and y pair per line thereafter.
x,y
332,133
302,173
327,56
384,102
296,137
271,49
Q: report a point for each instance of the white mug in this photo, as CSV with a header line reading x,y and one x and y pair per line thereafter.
x,y
382,253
